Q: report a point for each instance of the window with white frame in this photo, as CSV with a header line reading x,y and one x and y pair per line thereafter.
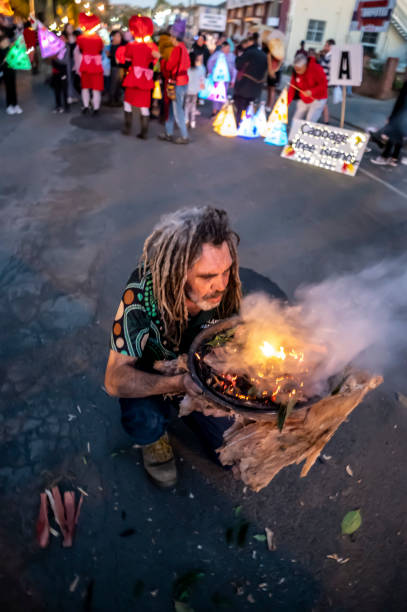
x,y
316,29
369,39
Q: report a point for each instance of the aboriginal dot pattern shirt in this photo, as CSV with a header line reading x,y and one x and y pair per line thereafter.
x,y
138,316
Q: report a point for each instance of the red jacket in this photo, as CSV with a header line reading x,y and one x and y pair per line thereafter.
x,y
178,64
313,79
91,47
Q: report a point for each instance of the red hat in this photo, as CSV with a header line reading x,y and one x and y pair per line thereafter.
x,y
141,27
88,22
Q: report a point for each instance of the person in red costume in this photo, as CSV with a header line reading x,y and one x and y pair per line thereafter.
x,y
140,56
91,69
177,73
309,81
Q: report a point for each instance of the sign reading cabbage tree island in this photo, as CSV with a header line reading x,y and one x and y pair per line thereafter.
x,y
331,148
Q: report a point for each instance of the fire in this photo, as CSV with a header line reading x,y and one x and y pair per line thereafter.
x,y
269,351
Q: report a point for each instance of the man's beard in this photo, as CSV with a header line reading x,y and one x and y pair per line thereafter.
x,y
203,302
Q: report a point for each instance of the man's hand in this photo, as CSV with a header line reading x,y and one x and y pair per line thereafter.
x,y
307,93
190,387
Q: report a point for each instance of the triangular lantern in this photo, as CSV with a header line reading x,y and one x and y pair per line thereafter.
x,y
247,127
221,70
260,119
276,130
228,127
157,95
17,57
219,118
206,92
218,93
50,43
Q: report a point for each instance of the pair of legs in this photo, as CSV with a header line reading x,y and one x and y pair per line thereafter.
x,y
115,89
176,113
191,101
241,105
311,112
146,420
60,84
128,118
96,98
9,76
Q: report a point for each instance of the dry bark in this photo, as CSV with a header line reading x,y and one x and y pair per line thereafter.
x,y
257,450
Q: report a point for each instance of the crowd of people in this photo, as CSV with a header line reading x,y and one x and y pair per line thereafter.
x,y
130,65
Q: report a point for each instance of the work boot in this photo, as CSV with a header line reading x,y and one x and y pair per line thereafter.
x,y
128,116
144,128
159,462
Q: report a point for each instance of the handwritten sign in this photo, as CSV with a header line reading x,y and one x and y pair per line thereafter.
x,y
346,66
325,146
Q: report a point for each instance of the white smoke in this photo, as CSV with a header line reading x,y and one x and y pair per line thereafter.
x,y
356,317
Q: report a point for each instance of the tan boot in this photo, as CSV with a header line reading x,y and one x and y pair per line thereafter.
x,y
159,462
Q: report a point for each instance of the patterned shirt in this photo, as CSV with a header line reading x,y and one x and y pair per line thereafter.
x,y
138,316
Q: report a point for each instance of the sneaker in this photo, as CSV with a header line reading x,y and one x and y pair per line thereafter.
x,y
18,110
58,110
380,161
159,462
393,162
85,110
10,110
404,161
193,124
180,140
165,136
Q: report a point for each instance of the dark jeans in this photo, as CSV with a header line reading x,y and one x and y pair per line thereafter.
x,y
9,76
241,105
60,85
115,87
146,419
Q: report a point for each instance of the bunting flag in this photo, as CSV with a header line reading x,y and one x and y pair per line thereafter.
x,y
157,95
260,119
206,92
276,129
247,127
228,127
221,70
50,43
17,57
218,93
5,8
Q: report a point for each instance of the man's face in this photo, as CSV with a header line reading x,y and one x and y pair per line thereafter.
x,y
116,40
208,278
300,69
200,41
327,47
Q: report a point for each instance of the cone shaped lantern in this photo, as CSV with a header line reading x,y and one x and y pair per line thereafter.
x,y
221,70
276,129
50,44
17,57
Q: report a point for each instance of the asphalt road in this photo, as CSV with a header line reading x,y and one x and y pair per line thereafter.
x,y
77,201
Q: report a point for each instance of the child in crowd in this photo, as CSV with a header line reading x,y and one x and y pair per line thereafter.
x,y
59,79
196,82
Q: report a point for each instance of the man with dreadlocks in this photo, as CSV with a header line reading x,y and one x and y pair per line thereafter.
x,y
187,277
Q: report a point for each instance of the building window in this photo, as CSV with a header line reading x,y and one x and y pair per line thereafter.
x,y
315,32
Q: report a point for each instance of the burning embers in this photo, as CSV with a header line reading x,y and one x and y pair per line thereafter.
x,y
240,368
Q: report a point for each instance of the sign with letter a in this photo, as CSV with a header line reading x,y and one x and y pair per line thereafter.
x,y
346,65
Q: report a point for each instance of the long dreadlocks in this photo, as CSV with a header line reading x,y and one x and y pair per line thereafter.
x,y
173,247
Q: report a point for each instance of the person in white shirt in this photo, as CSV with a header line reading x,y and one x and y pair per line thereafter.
x,y
196,82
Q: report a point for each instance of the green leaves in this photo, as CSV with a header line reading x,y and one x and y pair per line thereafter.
x,y
182,586
351,522
260,537
221,338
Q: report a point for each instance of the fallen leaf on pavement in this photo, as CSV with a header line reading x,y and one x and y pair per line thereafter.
x,y
260,537
327,457
127,532
42,522
270,539
351,522
339,560
237,510
74,584
349,470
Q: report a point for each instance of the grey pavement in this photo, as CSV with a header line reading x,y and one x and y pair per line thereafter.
x,y
77,201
